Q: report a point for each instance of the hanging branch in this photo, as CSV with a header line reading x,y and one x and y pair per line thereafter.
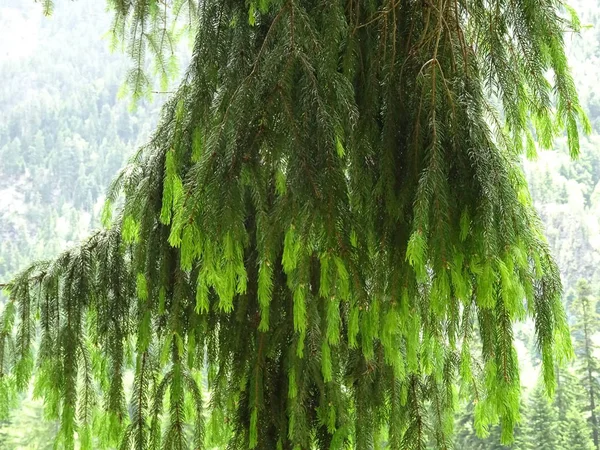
x,y
322,213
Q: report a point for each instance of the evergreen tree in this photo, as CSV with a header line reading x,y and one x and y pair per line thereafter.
x,y
328,204
542,421
26,429
574,432
586,324
570,401
568,393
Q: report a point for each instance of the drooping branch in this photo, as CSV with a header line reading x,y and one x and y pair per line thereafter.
x,y
321,216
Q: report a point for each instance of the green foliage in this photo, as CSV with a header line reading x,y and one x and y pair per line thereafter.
x,y
63,136
26,429
352,151
557,423
61,122
542,421
468,438
574,433
586,324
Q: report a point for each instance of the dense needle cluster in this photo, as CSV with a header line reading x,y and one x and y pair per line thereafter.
x,y
329,217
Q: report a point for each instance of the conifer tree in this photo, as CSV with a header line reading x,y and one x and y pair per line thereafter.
x,y
574,432
26,429
542,421
586,324
568,392
332,198
569,401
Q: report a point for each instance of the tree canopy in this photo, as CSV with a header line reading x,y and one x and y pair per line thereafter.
x,y
329,210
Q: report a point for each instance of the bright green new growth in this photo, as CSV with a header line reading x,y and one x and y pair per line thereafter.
x,y
330,204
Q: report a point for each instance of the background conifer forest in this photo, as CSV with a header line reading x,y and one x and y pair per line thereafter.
x,y
73,113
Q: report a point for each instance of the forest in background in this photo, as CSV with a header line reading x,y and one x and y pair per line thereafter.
x,y
64,134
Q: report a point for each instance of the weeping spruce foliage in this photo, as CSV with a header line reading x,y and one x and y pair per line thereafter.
x,y
327,224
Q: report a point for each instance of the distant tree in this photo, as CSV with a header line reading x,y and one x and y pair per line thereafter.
x,y
27,429
574,433
12,158
37,151
586,324
568,391
562,196
570,400
541,427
